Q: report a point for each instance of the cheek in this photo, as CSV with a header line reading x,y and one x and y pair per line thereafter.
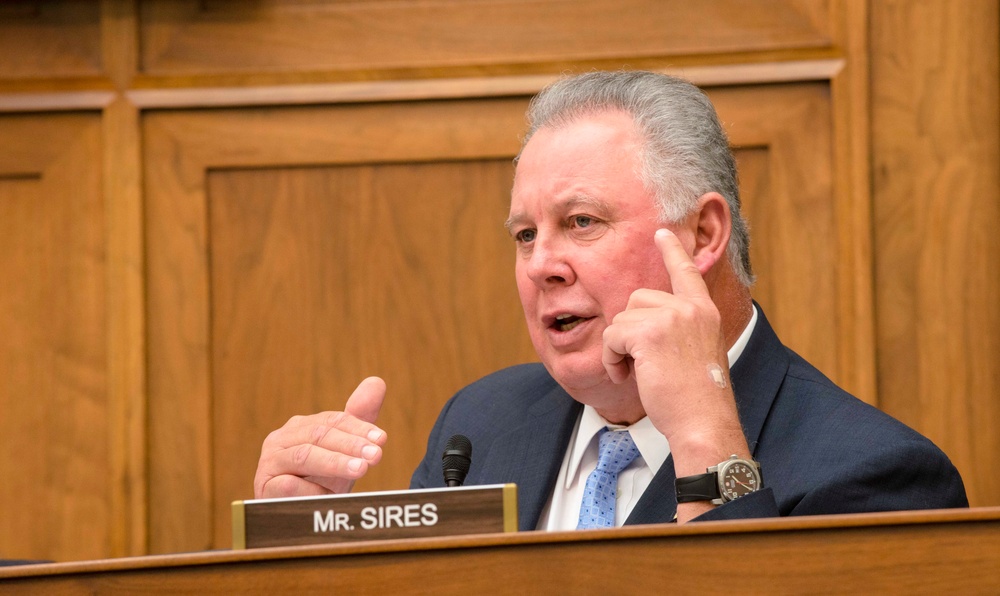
x,y
651,271
526,291
615,300
642,271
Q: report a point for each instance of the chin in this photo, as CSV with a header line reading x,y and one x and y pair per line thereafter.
x,y
577,377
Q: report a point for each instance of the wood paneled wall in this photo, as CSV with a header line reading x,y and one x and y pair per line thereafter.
x,y
936,183
217,214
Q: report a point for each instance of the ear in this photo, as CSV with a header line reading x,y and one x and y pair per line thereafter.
x,y
713,224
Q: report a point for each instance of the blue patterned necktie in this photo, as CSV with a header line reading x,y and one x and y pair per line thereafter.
x,y
600,493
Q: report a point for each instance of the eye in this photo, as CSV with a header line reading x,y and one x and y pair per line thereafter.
x,y
583,221
524,236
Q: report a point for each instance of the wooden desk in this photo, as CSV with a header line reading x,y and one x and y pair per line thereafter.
x,y
954,552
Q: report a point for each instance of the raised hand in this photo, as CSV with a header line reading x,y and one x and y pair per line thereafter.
x,y
672,343
323,453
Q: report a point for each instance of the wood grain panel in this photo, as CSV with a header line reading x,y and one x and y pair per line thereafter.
x,y
850,96
49,38
936,141
53,365
126,326
274,292
323,276
782,136
184,37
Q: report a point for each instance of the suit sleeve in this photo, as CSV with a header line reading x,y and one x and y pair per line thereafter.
x,y
910,475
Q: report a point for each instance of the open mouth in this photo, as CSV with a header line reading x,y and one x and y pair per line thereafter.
x,y
568,322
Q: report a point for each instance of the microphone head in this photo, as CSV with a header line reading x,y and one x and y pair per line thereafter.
x,y
456,460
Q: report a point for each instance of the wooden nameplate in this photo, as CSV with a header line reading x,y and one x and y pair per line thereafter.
x,y
375,516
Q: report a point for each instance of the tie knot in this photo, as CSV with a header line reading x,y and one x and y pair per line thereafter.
x,y
617,450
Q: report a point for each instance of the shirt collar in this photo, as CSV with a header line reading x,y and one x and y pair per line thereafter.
x,y
741,342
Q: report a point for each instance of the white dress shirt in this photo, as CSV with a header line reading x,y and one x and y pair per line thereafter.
x,y
563,508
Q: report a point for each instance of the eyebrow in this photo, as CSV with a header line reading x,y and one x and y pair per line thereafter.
x,y
569,204
511,221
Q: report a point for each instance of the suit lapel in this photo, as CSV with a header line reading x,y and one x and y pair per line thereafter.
x,y
658,504
531,454
757,377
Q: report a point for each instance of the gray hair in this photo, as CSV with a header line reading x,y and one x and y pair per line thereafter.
x,y
685,155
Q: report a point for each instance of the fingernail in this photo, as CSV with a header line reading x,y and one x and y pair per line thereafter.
x,y
355,464
374,436
369,451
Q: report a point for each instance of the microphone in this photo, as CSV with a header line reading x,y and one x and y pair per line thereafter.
x,y
456,459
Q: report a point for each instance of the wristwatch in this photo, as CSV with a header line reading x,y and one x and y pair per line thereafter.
x,y
729,480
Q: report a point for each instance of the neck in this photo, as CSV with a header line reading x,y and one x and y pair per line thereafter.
x,y
733,300
620,404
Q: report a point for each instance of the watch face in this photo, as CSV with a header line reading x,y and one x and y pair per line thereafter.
x,y
738,479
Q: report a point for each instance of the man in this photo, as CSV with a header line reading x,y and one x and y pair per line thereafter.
x,y
632,265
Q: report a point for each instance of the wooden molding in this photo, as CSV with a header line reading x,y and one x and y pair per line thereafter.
x,y
56,102
426,89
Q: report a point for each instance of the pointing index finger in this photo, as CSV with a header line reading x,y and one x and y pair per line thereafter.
x,y
685,278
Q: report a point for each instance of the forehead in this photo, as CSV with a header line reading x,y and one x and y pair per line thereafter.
x,y
594,158
592,137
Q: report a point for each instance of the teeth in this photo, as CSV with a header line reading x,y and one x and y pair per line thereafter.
x,y
565,322
568,326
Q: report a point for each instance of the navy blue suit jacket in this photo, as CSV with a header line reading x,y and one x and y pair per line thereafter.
x,y
821,450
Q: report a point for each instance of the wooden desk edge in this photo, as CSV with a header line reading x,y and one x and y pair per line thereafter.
x,y
845,522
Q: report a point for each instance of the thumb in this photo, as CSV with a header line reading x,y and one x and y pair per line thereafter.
x,y
366,401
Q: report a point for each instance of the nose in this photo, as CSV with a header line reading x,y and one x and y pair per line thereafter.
x,y
547,265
